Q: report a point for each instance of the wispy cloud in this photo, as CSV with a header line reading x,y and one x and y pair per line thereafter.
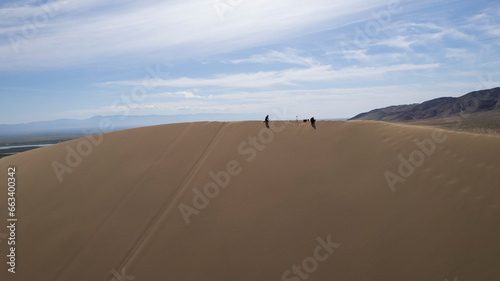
x,y
288,56
87,31
408,35
486,24
402,42
264,53
365,57
339,101
183,94
284,77
458,53
122,108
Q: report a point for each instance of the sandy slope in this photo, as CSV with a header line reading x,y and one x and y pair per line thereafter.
x,y
118,212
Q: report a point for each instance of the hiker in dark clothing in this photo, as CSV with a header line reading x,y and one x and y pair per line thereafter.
x,y
313,123
267,121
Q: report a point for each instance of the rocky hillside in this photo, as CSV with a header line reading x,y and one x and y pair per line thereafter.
x,y
471,103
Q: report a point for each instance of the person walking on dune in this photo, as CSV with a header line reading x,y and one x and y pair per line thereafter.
x,y
313,123
267,121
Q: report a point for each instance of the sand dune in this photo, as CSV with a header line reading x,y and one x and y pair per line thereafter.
x,y
356,200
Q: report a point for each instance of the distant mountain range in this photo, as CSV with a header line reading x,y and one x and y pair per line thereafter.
x,y
108,123
474,103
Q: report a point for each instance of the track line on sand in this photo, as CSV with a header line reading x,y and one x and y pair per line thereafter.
x,y
128,194
163,213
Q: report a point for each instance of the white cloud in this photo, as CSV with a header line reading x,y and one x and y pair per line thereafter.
x,y
184,94
164,30
458,53
432,31
420,34
367,57
121,108
326,102
284,77
401,42
486,24
289,56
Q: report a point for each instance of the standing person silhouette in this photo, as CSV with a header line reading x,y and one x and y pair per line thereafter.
x,y
267,121
313,123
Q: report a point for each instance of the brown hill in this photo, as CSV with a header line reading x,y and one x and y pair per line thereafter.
x,y
356,200
470,104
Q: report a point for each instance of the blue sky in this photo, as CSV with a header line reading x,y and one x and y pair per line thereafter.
x,y
328,59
